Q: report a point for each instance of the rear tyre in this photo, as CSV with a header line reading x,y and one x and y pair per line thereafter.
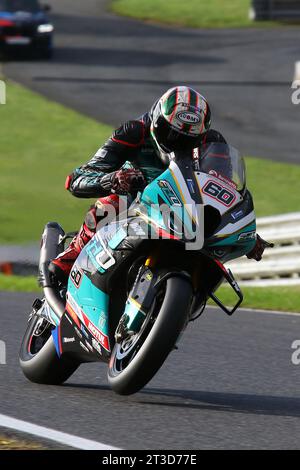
x,y
136,359
38,358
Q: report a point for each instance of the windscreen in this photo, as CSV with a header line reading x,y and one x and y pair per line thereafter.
x,y
224,162
19,5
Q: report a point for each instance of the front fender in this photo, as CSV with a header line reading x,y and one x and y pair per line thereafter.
x,y
143,293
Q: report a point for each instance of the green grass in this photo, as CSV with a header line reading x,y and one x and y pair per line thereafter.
x,y
42,142
270,184
191,13
18,284
284,299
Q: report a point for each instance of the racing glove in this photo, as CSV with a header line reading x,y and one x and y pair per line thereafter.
x,y
260,246
126,181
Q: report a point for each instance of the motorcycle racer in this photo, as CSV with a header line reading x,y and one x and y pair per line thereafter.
x,y
179,120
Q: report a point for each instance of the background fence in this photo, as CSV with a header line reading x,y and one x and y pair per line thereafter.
x,y
281,264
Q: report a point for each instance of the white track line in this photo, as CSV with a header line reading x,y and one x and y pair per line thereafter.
x,y
257,310
272,312
52,435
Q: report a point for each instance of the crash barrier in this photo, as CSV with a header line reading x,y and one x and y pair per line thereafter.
x,y
281,264
22,268
19,260
275,9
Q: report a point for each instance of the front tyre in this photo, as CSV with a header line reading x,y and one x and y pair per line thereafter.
x,y
38,358
136,359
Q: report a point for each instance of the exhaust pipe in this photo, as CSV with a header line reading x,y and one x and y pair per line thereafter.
x,y
50,249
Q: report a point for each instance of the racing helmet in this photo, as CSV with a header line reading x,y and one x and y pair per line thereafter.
x,y
179,119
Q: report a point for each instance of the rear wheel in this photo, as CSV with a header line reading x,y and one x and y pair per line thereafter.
x,y
137,358
38,358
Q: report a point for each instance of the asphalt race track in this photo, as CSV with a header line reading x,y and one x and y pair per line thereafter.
x,y
113,69
231,384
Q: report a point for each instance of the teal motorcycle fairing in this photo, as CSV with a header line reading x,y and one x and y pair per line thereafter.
x,y
84,330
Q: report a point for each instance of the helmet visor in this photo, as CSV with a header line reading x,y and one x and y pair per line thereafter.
x,y
170,139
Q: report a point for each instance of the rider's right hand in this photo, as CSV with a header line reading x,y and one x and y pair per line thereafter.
x,y
126,181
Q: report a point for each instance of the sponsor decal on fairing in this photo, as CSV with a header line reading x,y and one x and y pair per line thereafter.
x,y
100,337
84,347
245,236
96,346
86,322
68,340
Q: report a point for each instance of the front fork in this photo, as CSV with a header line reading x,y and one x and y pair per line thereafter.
x,y
138,304
142,296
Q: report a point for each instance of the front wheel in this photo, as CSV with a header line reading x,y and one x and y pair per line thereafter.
x,y
38,358
137,358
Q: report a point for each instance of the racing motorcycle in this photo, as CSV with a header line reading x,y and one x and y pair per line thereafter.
x,y
130,295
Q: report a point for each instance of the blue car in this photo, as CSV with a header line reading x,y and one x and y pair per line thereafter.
x,y
24,24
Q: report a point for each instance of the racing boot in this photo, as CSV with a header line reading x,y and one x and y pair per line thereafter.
x,y
62,265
